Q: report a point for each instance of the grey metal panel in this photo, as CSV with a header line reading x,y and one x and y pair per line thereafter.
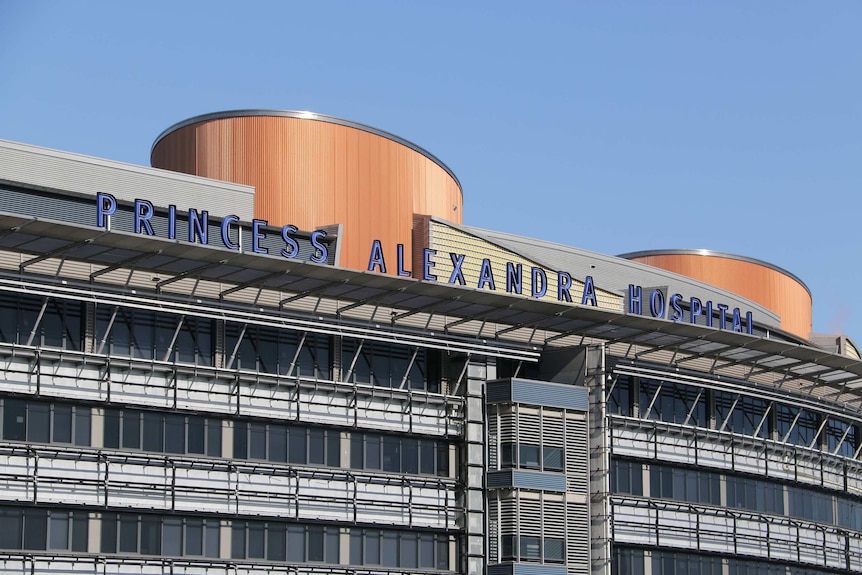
x,y
614,273
501,569
526,479
525,569
53,170
549,394
499,391
82,210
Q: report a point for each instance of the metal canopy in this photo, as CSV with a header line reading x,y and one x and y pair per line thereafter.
x,y
554,321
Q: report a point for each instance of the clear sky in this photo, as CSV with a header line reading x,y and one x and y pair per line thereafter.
x,y
611,126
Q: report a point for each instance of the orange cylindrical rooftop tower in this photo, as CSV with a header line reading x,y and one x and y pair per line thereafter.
x,y
774,288
312,170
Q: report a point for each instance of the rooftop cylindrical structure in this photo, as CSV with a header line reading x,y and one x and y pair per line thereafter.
x,y
771,286
312,170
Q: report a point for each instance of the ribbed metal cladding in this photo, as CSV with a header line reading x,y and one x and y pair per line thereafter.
x,y
774,288
313,172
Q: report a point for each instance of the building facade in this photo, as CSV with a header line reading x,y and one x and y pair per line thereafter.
x,y
312,365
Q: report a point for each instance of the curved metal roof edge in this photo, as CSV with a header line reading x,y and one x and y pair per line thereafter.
x,y
305,115
727,255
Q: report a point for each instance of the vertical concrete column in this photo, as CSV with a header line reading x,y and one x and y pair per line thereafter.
x,y
600,536
473,467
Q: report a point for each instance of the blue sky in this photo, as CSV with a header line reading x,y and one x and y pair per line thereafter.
x,y
612,126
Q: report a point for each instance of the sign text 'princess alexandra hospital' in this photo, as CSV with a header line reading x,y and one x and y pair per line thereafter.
x,y
659,305
674,307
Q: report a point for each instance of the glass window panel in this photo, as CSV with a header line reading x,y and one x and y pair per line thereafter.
x,y
240,440
10,528
62,430
82,425
316,446
442,552
410,455
154,431
131,429
14,419
333,448
39,422
175,433
35,528
277,443
528,455
552,458
255,540
315,543
196,434
372,547
151,535
128,534
298,445
391,454
212,534
257,440
296,543
372,451
214,437
276,542
80,530
355,546
333,551
58,530
554,550
531,548
389,549
112,428
426,457
237,540
8,317
357,447
109,533
426,551
194,537
409,551
53,324
442,459
172,537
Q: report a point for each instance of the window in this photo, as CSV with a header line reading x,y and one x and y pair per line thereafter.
x,y
627,561
675,402
162,432
59,321
150,335
281,443
533,549
389,365
741,414
155,535
531,456
396,454
620,399
40,529
755,494
279,351
683,484
404,549
626,477
42,422
808,504
278,541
